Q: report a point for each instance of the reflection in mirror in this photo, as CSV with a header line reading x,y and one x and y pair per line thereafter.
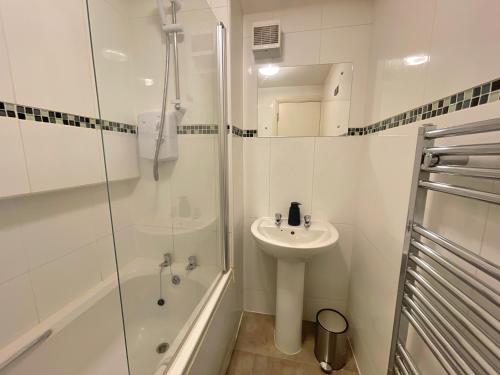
x,y
299,101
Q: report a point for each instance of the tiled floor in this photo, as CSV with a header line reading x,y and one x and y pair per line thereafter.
x,y
255,353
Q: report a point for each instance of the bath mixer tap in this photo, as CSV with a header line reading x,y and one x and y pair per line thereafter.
x,y
277,219
192,263
307,221
167,261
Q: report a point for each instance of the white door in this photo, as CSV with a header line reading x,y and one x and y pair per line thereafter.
x,y
299,119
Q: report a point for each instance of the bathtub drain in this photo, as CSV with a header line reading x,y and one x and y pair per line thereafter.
x,y
162,348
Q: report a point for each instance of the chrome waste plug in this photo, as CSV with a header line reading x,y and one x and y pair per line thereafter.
x,y
176,280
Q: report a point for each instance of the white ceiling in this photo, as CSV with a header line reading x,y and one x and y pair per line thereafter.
x,y
255,6
307,75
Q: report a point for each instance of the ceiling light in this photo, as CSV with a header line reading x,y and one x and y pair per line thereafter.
x,y
269,70
416,60
148,81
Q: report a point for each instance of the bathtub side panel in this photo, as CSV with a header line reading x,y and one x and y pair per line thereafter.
x,y
217,345
92,344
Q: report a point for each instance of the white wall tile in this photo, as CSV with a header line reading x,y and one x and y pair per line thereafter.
x,y
350,44
61,281
372,296
347,12
194,178
260,268
464,50
313,305
59,156
222,14
7,88
300,18
148,59
122,160
18,313
154,241
327,275
122,209
56,223
12,160
249,19
126,251
382,204
113,61
201,243
395,86
291,172
55,72
259,301
301,48
100,210
105,251
152,204
345,44
256,159
336,166
249,87
13,259
218,3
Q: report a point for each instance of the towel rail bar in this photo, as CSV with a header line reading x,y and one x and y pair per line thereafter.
x,y
471,128
461,191
489,173
481,287
454,307
473,259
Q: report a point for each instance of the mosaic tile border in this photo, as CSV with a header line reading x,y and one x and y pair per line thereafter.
x,y
198,129
246,133
49,117
481,94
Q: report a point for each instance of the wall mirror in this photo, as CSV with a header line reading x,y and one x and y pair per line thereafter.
x,y
301,101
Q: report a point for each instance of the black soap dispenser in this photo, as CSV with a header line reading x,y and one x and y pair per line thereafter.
x,y
294,214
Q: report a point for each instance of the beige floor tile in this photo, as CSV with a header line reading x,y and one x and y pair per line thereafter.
x,y
255,352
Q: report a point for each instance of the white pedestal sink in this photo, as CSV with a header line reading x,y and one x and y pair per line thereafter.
x,y
292,246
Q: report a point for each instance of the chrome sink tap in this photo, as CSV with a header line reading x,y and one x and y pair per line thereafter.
x,y
307,221
192,263
277,219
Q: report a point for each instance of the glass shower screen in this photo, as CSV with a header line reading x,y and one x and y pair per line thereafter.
x,y
166,232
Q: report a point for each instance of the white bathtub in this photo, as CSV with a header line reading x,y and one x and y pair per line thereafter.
x,y
87,334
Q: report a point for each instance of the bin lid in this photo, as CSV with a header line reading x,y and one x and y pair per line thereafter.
x,y
332,320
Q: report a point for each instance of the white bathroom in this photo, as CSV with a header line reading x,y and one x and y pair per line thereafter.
x,y
240,187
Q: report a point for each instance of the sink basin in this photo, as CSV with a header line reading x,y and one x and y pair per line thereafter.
x,y
287,242
292,246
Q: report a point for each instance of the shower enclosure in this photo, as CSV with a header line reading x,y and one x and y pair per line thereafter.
x,y
119,263
168,221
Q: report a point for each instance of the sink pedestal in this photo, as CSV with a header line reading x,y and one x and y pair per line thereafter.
x,y
293,246
289,302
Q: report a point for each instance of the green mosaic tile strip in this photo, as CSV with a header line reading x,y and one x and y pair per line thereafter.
x,y
46,116
488,92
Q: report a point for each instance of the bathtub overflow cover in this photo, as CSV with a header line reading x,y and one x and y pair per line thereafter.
x,y
162,348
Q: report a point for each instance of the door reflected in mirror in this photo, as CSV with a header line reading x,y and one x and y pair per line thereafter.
x,y
301,101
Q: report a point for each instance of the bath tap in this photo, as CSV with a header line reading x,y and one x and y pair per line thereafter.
x,y
192,263
167,261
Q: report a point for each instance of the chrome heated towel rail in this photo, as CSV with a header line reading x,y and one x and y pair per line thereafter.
x,y
447,294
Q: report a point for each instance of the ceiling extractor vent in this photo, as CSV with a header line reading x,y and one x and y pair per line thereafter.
x,y
267,39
